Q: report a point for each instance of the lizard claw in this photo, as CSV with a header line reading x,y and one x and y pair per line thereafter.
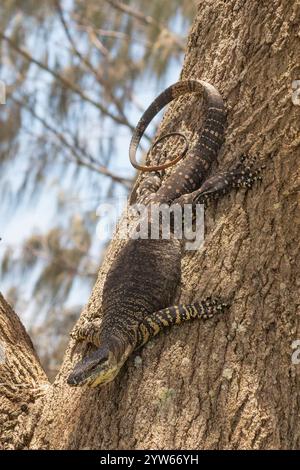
x,y
243,174
211,306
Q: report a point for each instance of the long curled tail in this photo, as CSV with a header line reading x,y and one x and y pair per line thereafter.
x,y
212,135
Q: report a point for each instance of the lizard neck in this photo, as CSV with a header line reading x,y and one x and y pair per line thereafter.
x,y
120,340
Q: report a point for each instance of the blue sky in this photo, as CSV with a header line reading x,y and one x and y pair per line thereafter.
x,y
41,213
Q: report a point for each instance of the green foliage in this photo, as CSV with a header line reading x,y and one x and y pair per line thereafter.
x,y
63,258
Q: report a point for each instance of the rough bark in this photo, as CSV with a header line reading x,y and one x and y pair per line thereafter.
x,y
229,383
22,381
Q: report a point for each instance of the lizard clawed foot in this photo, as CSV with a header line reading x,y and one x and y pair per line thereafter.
x,y
240,175
244,175
88,332
209,307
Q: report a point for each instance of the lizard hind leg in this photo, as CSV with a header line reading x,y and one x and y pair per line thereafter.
x,y
158,321
148,187
242,174
88,332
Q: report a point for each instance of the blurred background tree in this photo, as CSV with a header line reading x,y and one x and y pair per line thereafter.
x,y
78,74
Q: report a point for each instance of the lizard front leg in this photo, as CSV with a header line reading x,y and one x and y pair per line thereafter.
x,y
158,321
102,365
89,332
241,175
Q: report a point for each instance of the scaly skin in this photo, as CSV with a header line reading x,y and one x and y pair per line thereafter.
x,y
144,277
142,281
137,284
192,171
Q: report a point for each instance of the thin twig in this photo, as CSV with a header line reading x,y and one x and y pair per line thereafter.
x,y
92,164
90,28
65,82
87,63
145,19
99,45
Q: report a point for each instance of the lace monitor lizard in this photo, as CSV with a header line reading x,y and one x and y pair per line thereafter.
x,y
141,283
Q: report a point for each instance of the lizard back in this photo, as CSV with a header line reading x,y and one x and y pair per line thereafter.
x,y
142,279
146,273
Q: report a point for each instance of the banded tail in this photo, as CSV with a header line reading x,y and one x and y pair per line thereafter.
x,y
213,131
158,321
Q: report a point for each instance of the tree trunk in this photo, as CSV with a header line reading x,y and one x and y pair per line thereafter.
x,y
229,383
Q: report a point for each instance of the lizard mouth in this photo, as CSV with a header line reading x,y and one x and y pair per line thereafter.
x,y
91,368
92,378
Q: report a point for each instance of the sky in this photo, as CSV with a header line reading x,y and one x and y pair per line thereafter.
x,y
40,213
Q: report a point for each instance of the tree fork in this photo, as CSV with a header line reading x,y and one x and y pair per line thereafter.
x,y
229,384
22,379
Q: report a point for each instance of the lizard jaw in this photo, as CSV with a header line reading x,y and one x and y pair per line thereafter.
x,y
104,378
112,372
99,368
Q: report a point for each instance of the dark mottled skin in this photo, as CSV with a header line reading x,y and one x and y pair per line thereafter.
x,y
190,172
144,277
141,283
147,284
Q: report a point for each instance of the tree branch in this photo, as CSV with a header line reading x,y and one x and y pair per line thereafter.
x,y
22,379
62,263
65,82
88,64
145,19
91,164
92,31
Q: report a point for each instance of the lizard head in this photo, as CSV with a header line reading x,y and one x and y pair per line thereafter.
x,y
99,368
